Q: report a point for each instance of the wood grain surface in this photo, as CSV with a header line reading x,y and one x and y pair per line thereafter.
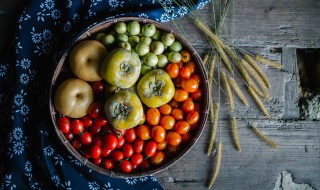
x,y
258,27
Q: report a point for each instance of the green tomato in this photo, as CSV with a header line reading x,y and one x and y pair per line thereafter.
x,y
162,61
124,110
121,68
121,27
167,39
99,36
145,69
156,35
134,40
155,88
157,47
148,30
146,40
125,45
107,40
142,49
174,57
175,46
122,38
133,28
150,59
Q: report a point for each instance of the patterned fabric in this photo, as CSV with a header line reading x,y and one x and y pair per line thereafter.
x,y
31,154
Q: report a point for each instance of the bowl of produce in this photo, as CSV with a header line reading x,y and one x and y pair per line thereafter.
x,y
129,97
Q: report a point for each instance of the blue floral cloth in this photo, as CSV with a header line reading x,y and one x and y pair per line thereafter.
x,y
31,155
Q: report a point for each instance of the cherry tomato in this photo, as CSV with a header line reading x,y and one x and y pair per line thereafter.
x,y
86,138
97,161
189,85
180,95
161,145
158,158
110,141
100,121
134,167
97,87
68,136
127,150
77,127
158,133
117,156
117,132
136,159
87,121
95,152
177,114
167,122
172,150
151,148
193,117
121,142
196,77
126,166
165,109
177,81
192,66
64,124
197,107
153,116
145,165
130,135
174,104
95,109
143,132
185,56
185,72
186,138
180,64
197,95
97,140
173,138
173,70
76,144
95,129
138,145
188,106
108,164
182,127
105,152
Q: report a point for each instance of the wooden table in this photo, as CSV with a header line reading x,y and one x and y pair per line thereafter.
x,y
275,29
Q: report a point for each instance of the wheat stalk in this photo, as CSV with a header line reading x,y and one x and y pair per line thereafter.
x,y
250,60
263,137
212,65
268,62
214,115
224,58
235,133
258,101
228,89
217,165
238,91
205,60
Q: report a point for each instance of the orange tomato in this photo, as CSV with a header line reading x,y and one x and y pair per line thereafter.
x,y
182,127
180,95
162,145
193,117
158,133
165,109
180,64
197,95
143,132
192,66
173,70
177,81
177,114
186,138
196,77
174,104
172,150
189,85
158,158
185,56
167,122
188,106
153,116
185,72
173,138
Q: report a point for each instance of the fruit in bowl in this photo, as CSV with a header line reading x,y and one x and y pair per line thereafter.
x,y
149,101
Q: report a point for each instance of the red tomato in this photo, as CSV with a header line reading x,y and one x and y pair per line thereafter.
x,y
173,70
138,145
130,135
95,110
95,152
196,77
100,121
180,95
87,121
189,85
126,166
97,140
68,136
182,127
110,141
158,158
86,138
158,133
193,117
97,87
97,161
143,132
108,164
151,148
197,107
177,114
167,122
117,132
161,145
137,159
192,66
117,156
185,72
64,124
127,150
153,116
197,95
105,152
180,64
188,106
145,165
177,81
165,109
121,142
76,144
173,138
77,127
95,129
